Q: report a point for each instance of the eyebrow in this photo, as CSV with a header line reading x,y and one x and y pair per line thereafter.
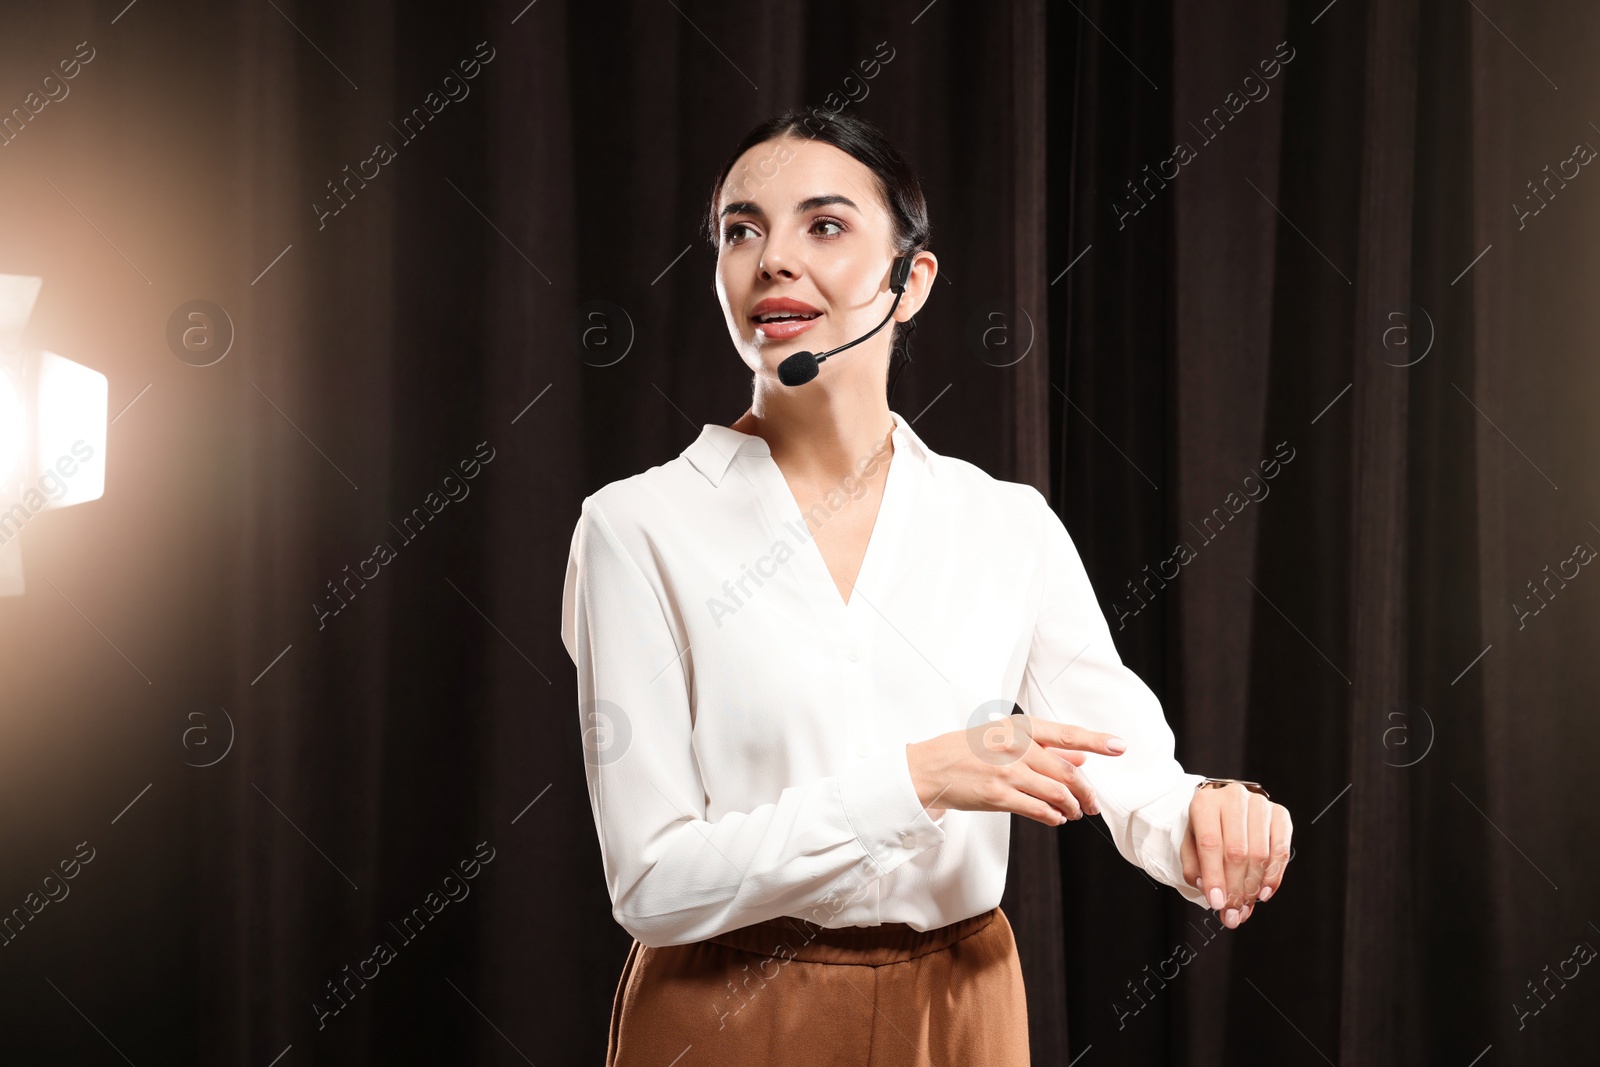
x,y
750,207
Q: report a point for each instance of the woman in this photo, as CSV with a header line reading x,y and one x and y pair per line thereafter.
x,y
799,645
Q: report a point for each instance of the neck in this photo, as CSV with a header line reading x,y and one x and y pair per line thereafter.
x,y
820,437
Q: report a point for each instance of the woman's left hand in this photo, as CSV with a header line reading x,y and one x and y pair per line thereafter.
x,y
1236,849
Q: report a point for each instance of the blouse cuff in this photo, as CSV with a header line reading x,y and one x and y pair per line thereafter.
x,y
880,801
1168,817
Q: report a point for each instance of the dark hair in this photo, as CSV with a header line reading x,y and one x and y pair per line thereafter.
x,y
860,138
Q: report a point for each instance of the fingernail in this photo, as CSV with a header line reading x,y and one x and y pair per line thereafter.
x,y
1216,898
1231,918
1266,891
1116,744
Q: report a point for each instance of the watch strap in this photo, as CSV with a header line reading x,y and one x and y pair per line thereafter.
x,y
1218,783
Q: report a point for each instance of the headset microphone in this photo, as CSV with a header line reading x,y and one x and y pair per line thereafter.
x,y
801,367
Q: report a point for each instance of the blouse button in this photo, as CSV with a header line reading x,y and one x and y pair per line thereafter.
x,y
853,656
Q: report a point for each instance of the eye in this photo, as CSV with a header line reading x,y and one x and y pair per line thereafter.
x,y
731,234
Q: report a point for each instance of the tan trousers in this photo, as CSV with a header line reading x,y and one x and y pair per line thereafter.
x,y
790,993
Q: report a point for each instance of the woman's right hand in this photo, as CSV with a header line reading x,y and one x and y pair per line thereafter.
x,y
1016,763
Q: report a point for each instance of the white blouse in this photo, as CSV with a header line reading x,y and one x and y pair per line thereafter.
x,y
745,727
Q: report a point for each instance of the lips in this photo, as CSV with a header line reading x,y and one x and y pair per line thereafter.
x,y
779,318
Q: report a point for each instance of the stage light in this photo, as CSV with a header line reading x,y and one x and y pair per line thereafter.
x,y
11,429
52,429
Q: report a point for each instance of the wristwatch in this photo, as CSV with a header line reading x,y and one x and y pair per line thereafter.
x,y
1218,783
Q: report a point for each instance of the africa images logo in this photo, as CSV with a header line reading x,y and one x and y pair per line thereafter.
x,y
51,486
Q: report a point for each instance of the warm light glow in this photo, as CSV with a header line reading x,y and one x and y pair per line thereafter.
x,y
53,441
72,428
13,432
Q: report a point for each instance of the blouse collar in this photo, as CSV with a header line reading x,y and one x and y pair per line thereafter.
x,y
712,452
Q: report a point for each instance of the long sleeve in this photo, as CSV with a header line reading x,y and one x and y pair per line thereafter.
x,y
673,875
1075,676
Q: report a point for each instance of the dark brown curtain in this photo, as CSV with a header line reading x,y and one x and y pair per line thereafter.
x,y
1337,270
1368,268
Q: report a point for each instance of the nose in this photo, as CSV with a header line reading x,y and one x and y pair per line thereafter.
x,y
777,260
775,266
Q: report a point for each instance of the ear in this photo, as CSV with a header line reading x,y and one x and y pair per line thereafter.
x,y
924,269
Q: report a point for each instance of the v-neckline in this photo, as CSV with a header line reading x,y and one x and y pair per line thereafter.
x,y
884,526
